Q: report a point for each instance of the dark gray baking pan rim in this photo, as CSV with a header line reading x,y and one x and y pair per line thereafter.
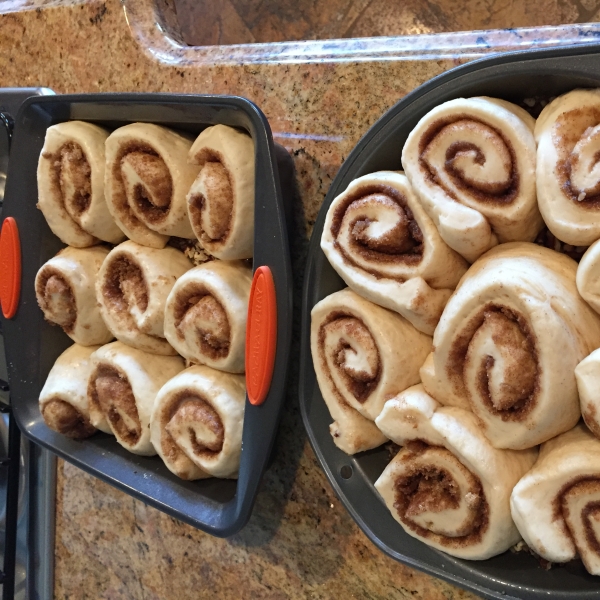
x,y
533,72
218,507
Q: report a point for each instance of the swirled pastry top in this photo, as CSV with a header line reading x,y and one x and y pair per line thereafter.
x,y
556,504
206,313
362,355
132,289
568,171
197,423
449,486
122,389
382,243
471,161
65,288
147,178
508,343
221,199
70,180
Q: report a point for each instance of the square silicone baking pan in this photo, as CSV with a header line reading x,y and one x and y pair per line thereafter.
x,y
516,76
220,507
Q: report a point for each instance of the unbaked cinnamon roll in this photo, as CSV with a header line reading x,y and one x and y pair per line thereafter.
x,y
556,505
385,247
206,313
587,374
448,486
70,180
509,341
63,399
362,355
588,276
221,199
568,174
197,423
471,161
65,288
121,390
132,289
147,178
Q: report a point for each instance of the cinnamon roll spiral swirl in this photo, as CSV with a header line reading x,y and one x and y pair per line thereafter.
x,y
221,199
448,486
197,423
508,343
132,289
568,172
63,399
556,505
65,288
362,354
206,313
121,391
147,178
70,179
385,247
472,164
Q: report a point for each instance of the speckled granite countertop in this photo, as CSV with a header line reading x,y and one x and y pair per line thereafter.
x,y
320,97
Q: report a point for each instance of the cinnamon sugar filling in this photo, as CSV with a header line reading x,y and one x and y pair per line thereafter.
x,y
583,484
71,178
567,131
511,394
66,419
211,211
197,310
187,414
433,489
56,298
110,391
124,286
485,192
400,244
359,377
141,178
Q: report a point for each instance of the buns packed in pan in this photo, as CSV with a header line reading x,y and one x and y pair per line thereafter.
x,y
221,199
197,423
63,400
362,354
65,288
70,178
122,389
132,289
147,179
386,248
206,312
472,162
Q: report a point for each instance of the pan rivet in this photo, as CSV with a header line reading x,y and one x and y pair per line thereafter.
x,y
346,472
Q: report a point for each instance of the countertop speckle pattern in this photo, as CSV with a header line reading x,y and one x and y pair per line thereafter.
x,y
320,99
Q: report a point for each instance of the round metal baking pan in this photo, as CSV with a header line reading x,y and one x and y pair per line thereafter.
x,y
516,77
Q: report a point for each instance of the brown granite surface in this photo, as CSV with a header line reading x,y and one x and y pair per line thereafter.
x,y
320,97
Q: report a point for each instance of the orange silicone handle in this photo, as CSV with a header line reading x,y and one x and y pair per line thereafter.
x,y
261,335
10,267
